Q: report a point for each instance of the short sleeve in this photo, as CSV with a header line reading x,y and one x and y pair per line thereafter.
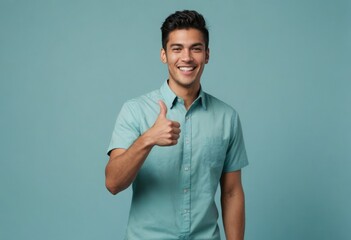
x,y
126,129
236,157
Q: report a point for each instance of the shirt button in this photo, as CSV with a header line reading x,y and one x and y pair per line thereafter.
x,y
186,190
186,169
187,118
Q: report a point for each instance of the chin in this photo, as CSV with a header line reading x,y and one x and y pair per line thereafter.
x,y
187,81
186,84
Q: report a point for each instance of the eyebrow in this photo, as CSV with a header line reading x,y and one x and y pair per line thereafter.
x,y
192,45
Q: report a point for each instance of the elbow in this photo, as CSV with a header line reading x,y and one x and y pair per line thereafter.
x,y
115,184
114,188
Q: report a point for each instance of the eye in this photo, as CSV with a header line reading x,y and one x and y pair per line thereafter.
x,y
176,49
197,49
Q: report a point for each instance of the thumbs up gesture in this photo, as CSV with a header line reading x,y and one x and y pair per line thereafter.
x,y
163,109
164,132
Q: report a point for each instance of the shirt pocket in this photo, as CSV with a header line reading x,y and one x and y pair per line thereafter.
x,y
213,157
214,152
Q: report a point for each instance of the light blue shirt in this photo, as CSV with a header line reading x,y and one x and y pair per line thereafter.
x,y
173,193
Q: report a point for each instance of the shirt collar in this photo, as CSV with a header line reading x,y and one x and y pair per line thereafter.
x,y
202,98
170,97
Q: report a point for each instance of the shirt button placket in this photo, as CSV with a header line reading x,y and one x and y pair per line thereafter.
x,y
186,213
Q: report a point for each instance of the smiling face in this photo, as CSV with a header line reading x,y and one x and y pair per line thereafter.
x,y
186,56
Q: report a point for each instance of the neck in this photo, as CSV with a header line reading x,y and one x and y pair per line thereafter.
x,y
187,93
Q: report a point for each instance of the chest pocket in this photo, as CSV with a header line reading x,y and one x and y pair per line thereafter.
x,y
214,152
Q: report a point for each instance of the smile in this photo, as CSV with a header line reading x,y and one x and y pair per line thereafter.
x,y
186,69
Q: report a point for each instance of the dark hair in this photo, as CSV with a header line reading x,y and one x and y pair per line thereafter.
x,y
184,20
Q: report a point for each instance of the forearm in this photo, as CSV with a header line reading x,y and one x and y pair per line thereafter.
x,y
233,214
122,169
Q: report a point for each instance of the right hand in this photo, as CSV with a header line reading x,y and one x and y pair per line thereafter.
x,y
164,132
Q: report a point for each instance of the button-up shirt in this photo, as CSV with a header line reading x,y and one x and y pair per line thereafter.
x,y
174,191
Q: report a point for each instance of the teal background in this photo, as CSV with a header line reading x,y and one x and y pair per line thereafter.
x,y
66,67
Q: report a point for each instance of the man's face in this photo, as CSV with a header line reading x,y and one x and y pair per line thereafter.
x,y
186,56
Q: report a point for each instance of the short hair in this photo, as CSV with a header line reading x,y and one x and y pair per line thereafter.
x,y
184,20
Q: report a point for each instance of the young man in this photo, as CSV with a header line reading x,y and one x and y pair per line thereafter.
x,y
176,144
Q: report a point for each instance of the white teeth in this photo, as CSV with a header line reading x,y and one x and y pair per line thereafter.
x,y
186,68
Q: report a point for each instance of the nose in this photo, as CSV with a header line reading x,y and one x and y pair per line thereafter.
x,y
186,55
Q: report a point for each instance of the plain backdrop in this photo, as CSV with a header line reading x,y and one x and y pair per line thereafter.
x,y
66,67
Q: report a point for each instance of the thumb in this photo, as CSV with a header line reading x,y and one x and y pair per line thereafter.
x,y
163,109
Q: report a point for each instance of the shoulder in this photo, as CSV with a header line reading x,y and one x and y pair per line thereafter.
x,y
141,101
219,106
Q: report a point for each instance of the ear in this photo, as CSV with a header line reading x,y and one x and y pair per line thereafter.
x,y
207,57
163,55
